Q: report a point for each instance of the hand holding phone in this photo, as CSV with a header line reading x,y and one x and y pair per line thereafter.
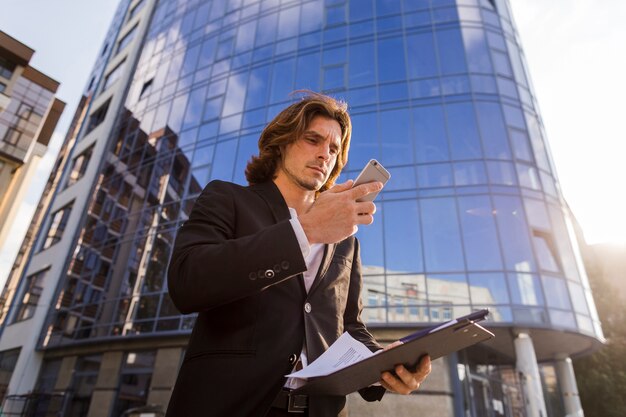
x,y
373,171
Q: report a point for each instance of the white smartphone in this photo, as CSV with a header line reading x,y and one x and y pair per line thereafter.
x,y
373,171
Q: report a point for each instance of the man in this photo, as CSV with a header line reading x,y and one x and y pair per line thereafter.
x,y
274,272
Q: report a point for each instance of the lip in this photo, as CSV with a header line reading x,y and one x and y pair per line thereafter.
x,y
318,169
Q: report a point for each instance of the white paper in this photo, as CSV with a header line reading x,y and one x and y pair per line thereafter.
x,y
344,352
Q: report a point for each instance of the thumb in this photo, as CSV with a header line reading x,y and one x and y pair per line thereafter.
x,y
337,188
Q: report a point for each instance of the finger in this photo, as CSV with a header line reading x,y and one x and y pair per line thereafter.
x,y
365,207
365,189
408,379
337,188
393,383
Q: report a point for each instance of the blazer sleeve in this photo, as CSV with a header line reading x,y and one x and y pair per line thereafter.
x,y
355,326
211,265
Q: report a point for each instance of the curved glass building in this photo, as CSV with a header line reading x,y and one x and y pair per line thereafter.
x,y
473,216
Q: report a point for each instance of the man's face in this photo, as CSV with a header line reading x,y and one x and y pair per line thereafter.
x,y
309,160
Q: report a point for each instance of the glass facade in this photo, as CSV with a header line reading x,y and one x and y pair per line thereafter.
x,y
438,93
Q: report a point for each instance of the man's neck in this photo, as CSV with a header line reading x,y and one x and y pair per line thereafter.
x,y
295,196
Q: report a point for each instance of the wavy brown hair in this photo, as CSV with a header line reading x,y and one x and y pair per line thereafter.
x,y
289,125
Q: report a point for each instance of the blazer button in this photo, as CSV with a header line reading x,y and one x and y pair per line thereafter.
x,y
269,273
292,359
260,273
284,265
252,276
307,307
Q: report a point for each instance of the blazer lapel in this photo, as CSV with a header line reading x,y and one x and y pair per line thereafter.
x,y
277,205
329,252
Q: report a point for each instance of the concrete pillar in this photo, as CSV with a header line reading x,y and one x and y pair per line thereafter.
x,y
530,379
164,376
569,389
105,391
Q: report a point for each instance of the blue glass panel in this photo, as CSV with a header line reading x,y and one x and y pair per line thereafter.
x,y
477,50
507,87
245,36
403,247
364,143
445,14
416,19
561,318
412,5
258,87
525,289
207,131
194,108
421,55
235,94
230,124
175,119
207,52
485,84
364,9
225,48
391,50
429,127
213,108
362,65
514,117
480,236
397,147
361,29
385,7
386,24
434,175
336,15
441,230
537,214
449,289
224,165
556,291
253,118
451,51
521,147
488,288
336,34
501,173
248,146
528,176
403,179
469,173
501,63
492,130
393,92
513,230
425,88
312,16
371,239
563,239
288,22
455,84
266,30
308,72
579,300
334,56
334,77
361,96
548,183
203,155
462,130
536,139
282,80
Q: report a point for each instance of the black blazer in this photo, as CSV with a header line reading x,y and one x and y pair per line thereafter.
x,y
238,263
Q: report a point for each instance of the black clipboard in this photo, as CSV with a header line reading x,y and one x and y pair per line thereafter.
x,y
436,341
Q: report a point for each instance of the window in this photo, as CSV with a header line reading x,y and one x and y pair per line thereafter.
x,y
114,75
123,43
79,166
134,384
12,135
136,9
8,359
98,116
57,226
34,288
6,68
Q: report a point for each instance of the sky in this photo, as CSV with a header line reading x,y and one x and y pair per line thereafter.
x,y
575,55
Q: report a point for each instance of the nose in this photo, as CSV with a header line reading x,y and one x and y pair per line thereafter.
x,y
324,152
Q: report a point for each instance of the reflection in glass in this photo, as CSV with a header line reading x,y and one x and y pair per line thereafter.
x,y
556,292
403,247
441,231
480,237
488,288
